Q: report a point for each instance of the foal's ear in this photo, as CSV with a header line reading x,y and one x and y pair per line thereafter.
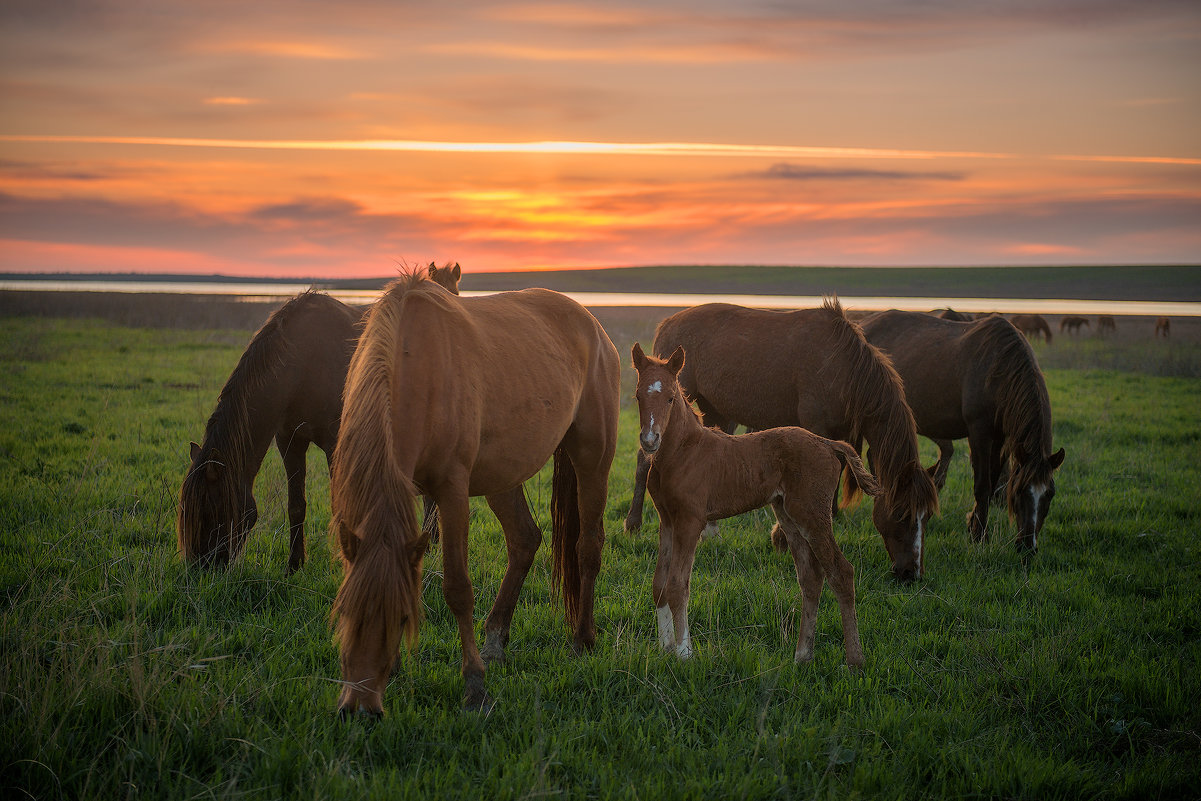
x,y
457,272
638,356
1056,459
195,451
675,362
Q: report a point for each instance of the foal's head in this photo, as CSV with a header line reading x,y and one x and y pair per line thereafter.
x,y
657,392
215,512
1031,488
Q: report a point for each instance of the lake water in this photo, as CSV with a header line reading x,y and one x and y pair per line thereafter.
x,y
1006,305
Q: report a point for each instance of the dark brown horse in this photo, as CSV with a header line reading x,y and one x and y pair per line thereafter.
x,y
951,314
458,397
1032,325
288,387
1106,323
698,475
978,380
810,368
1073,323
1163,325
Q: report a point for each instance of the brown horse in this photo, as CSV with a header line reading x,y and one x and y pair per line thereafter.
x,y
811,368
978,380
1032,325
460,397
1106,323
699,475
1162,325
951,314
288,387
1073,323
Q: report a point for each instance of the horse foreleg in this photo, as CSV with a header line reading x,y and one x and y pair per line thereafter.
x,y
946,449
633,522
808,575
456,588
686,534
667,629
293,454
522,538
980,443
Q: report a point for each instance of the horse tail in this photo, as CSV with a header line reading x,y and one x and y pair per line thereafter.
x,y
373,518
856,477
851,490
565,534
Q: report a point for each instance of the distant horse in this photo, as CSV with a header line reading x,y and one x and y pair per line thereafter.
x,y
978,380
1105,324
460,397
1031,325
812,368
951,314
287,386
1164,325
1073,324
698,475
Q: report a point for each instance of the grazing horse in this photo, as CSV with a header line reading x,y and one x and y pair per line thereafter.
x,y
951,314
699,475
287,386
978,380
1164,325
1106,323
811,368
1072,323
459,397
1031,325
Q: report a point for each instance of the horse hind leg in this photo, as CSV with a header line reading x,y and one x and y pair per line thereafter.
x,y
522,538
946,449
293,452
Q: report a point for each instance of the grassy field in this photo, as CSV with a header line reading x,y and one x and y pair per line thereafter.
x,y
122,674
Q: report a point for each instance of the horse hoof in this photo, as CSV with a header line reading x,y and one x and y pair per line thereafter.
x,y
493,653
631,527
476,698
369,715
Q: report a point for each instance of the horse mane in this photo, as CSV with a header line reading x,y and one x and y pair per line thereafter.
x,y
876,405
371,497
1023,405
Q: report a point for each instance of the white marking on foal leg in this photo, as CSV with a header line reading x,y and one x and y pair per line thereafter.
x,y
667,629
710,530
684,648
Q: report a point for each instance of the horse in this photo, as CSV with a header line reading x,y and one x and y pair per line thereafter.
x,y
459,397
1162,325
951,314
811,368
287,386
1032,325
1072,323
699,475
1106,323
978,380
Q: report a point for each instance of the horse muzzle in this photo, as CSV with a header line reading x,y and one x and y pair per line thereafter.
x,y
650,441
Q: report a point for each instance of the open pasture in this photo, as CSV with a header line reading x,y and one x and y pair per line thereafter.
x,y
123,674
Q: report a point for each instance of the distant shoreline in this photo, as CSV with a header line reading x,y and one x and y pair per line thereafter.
x,y
1149,283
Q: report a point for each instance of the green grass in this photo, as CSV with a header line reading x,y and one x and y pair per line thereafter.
x,y
122,674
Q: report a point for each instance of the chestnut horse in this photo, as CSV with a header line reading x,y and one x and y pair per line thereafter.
x,y
811,368
698,475
288,387
1073,323
460,397
1031,325
1105,322
978,380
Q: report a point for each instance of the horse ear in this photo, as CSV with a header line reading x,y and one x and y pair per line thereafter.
x,y
638,356
1057,459
458,271
675,362
433,268
417,549
211,464
195,451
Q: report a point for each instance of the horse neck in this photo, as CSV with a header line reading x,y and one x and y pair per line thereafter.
x,y
239,434
1022,403
684,432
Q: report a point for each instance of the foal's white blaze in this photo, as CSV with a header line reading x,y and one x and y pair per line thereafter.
x,y
655,387
667,629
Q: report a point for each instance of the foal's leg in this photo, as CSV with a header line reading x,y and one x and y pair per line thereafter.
x,y
633,522
522,538
946,449
686,534
667,629
819,533
456,587
787,534
292,451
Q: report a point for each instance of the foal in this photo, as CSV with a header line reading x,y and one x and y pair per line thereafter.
x,y
699,475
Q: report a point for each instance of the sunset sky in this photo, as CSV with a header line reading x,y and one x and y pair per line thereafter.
x,y
323,139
